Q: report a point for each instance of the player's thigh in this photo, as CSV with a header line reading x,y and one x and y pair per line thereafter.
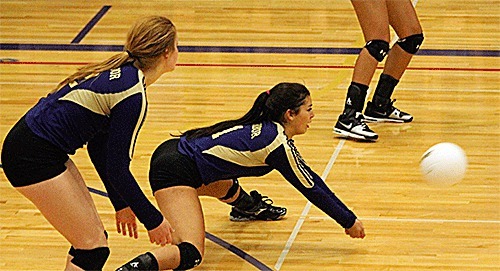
x,y
373,19
182,208
64,203
81,183
403,18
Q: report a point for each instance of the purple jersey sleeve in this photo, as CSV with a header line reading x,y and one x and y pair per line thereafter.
x,y
287,160
97,148
125,122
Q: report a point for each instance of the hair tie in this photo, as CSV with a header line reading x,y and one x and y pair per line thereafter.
x,y
268,92
129,54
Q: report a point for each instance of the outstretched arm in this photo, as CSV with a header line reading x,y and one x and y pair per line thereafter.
x,y
287,160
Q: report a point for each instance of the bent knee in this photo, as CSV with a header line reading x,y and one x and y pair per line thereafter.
x,y
378,49
91,241
411,44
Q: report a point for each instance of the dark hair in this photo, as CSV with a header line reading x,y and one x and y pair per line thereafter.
x,y
269,105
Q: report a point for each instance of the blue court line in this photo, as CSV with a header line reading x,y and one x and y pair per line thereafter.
x,y
238,252
98,192
238,49
90,24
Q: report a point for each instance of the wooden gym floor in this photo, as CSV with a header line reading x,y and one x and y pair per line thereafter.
x,y
232,50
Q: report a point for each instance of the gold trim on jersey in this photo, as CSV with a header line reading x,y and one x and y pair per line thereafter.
x,y
248,158
245,158
257,158
101,103
141,118
298,165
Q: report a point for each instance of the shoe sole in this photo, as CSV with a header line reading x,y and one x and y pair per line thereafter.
x,y
352,135
379,120
246,219
238,219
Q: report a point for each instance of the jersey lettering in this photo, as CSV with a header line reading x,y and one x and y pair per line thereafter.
x,y
115,74
256,130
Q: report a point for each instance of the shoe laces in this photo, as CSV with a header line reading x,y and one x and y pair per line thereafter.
x,y
390,105
264,203
360,119
394,110
261,199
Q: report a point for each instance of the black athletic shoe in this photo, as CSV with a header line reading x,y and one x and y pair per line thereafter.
x,y
262,211
354,127
387,113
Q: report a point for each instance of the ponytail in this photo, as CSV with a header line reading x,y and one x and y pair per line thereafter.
x,y
147,40
269,105
96,68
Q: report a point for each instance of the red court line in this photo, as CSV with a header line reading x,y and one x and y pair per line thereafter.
x,y
260,66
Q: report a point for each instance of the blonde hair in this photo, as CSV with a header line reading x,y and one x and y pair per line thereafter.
x,y
147,40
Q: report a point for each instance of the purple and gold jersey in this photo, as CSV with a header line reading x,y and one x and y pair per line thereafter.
x,y
255,150
106,112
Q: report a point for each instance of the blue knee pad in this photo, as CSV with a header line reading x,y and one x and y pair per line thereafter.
x,y
412,43
378,49
190,256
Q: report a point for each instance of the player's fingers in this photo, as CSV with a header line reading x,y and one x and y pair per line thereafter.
x,y
163,241
130,230
124,229
136,234
169,237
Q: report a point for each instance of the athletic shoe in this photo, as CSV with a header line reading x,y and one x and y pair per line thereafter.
x,y
387,113
262,211
354,126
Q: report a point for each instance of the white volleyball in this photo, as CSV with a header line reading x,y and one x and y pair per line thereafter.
x,y
443,164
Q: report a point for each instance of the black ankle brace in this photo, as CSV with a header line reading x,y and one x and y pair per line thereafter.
x,y
232,190
385,87
356,95
146,261
381,102
244,201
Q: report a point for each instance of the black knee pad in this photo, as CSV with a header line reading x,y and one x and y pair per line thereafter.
x,y
378,49
232,190
72,249
412,43
190,256
90,259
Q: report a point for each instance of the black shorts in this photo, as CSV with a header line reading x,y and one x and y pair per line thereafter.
x,y
28,159
171,168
